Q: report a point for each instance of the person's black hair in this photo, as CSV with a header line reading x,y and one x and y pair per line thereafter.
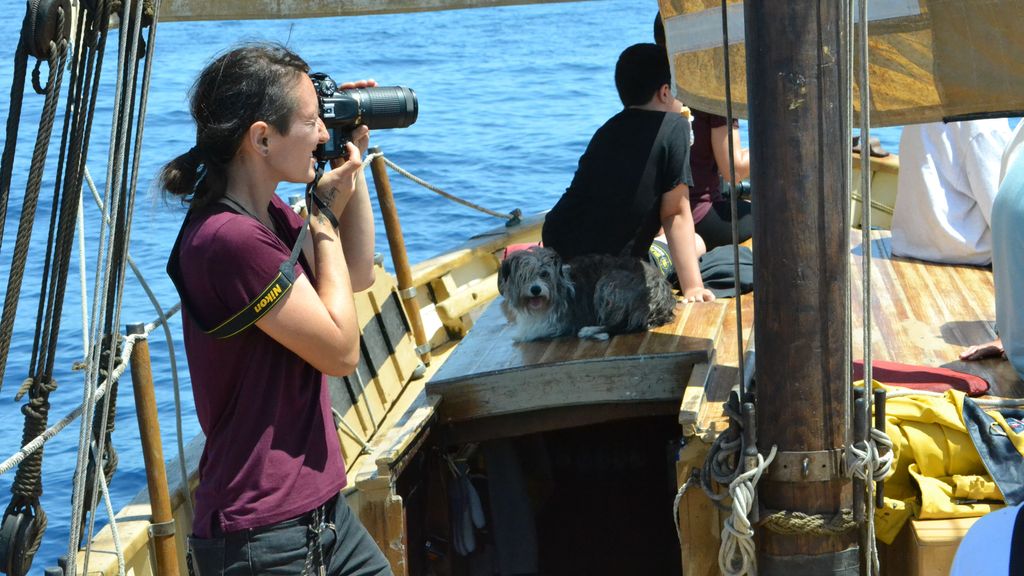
x,y
249,83
659,31
641,71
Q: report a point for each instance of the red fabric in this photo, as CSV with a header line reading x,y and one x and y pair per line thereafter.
x,y
516,247
922,377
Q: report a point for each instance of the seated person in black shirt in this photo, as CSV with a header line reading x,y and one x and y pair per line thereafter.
x,y
634,177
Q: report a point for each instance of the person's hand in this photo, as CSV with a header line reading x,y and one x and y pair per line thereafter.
x,y
698,295
361,135
991,349
368,83
337,185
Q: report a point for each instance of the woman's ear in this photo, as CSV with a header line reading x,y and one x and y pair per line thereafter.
x,y
258,137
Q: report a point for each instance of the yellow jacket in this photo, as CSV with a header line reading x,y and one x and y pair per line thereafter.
x,y
938,470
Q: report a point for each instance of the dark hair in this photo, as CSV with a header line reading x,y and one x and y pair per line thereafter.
x,y
249,83
641,71
659,31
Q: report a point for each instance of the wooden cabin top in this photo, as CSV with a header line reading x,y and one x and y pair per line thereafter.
x,y
524,387
922,314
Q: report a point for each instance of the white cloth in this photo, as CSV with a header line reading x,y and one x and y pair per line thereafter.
x,y
949,176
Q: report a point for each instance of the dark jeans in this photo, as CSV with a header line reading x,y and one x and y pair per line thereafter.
x,y
283,548
715,228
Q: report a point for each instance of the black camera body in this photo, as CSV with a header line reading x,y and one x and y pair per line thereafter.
x,y
343,110
743,190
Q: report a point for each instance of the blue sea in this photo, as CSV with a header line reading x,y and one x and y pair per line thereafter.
x,y
509,98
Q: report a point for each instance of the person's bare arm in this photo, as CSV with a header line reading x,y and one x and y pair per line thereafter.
x,y
677,221
320,324
720,147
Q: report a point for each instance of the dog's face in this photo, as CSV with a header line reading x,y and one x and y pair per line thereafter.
x,y
532,280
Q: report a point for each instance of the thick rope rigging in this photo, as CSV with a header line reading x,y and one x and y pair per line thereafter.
x,y
109,288
13,121
27,485
56,62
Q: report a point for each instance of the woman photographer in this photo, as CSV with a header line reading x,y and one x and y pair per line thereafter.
x,y
268,500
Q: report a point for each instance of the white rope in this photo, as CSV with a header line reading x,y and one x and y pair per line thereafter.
x,y
52,431
738,534
172,357
675,505
114,532
865,462
82,270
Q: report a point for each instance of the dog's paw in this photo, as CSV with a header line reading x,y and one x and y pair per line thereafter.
x,y
593,332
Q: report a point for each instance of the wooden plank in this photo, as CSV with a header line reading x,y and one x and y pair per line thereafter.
x,y
704,417
466,298
625,379
484,245
699,520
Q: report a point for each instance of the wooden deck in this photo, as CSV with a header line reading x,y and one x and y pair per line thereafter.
x,y
528,387
926,314
922,314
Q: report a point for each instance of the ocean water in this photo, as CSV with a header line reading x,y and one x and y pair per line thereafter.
x,y
509,98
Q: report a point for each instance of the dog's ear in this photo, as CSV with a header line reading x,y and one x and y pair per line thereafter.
x,y
564,272
503,273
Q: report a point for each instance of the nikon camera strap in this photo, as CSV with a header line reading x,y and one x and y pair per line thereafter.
x,y
275,290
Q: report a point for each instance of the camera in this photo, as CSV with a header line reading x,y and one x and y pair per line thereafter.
x,y
343,110
743,191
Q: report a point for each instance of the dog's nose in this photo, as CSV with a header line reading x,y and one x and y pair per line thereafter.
x,y
535,290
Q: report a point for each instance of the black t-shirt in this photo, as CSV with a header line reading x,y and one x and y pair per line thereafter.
x,y
607,209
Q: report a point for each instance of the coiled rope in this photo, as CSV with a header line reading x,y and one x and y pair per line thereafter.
x,y
738,554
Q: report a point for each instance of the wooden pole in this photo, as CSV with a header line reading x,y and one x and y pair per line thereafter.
x,y
797,72
389,213
162,529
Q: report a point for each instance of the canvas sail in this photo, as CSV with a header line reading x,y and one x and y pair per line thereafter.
x,y
930,60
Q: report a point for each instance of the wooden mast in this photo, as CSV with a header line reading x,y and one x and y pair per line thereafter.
x,y
797,67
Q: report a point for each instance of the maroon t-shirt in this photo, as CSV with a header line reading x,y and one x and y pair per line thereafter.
x,y
272,452
705,189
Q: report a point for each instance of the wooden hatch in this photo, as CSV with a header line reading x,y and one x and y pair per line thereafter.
x,y
521,387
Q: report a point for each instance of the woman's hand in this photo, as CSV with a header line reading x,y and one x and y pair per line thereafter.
x,y
337,185
363,141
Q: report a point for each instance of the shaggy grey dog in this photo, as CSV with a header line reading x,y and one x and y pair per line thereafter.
x,y
593,296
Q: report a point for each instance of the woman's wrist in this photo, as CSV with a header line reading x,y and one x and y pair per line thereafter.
x,y
324,210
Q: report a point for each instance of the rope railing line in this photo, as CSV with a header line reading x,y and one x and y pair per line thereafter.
x,y
27,449
513,216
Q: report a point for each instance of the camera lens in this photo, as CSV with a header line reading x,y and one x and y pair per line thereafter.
x,y
387,106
